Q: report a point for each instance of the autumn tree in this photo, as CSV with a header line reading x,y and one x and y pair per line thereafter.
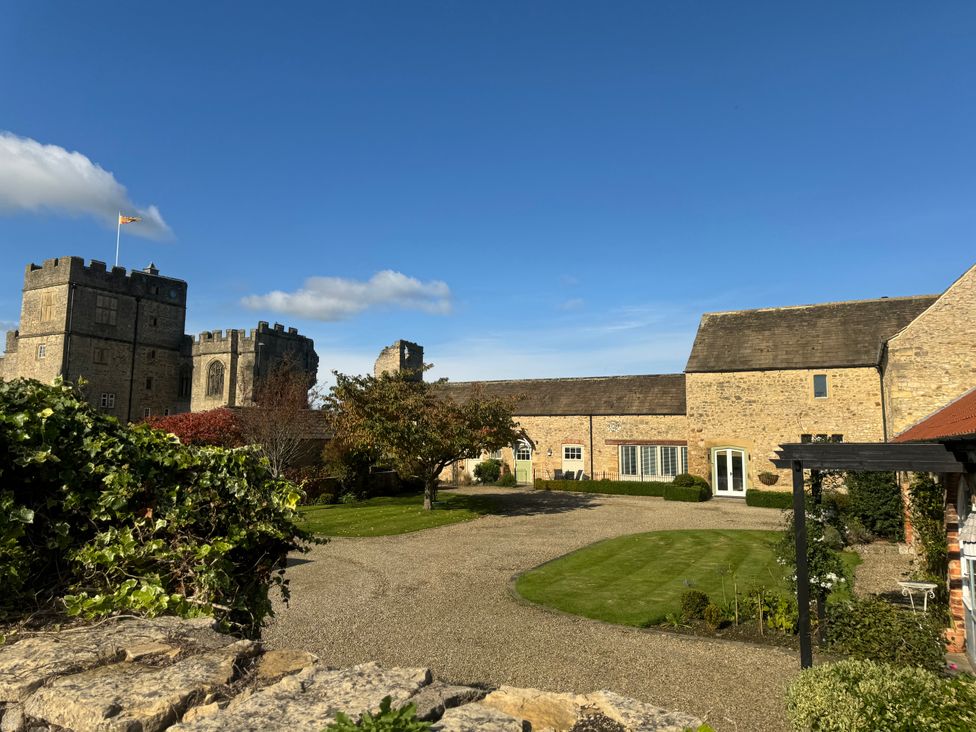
x,y
280,419
416,426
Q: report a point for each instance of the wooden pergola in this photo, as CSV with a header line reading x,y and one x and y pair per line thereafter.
x,y
926,457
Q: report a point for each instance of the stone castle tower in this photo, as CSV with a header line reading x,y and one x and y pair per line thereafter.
x,y
123,333
401,356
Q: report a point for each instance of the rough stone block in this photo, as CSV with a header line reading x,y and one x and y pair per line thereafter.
x,y
309,700
479,717
28,663
431,701
127,697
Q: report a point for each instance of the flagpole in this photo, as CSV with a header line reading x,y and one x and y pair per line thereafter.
x,y
118,233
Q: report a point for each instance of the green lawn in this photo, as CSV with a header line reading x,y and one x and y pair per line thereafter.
x,y
392,515
638,579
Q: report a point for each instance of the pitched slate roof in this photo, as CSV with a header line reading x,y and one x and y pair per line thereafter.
x,y
596,395
830,335
956,419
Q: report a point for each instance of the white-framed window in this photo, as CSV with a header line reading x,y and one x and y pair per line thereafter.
x,y
166,412
572,452
147,412
107,400
106,309
523,451
41,351
650,462
820,386
495,455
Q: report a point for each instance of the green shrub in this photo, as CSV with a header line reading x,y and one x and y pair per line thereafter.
x,y
387,719
508,480
100,518
875,499
610,487
855,532
693,604
689,481
927,505
692,493
864,696
874,629
714,616
769,499
488,471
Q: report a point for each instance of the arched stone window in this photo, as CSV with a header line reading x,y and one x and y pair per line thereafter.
x,y
215,379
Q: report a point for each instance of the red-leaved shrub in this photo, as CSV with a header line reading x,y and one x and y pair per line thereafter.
x,y
214,427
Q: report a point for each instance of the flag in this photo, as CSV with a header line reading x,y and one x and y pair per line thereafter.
x,y
128,219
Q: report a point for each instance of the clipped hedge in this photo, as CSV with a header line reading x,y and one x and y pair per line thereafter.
x,y
99,518
687,493
610,487
769,499
864,696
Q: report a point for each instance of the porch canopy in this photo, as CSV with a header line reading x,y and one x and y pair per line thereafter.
x,y
926,457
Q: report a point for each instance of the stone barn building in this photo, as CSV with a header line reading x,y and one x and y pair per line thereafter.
x,y
856,371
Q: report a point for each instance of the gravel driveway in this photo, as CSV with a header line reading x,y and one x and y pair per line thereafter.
x,y
441,598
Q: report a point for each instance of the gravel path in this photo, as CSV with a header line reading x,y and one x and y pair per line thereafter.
x,y
441,598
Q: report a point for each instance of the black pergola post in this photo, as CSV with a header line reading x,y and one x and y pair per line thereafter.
x,y
802,573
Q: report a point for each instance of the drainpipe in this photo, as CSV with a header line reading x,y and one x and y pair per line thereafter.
x,y
66,353
884,407
132,365
591,448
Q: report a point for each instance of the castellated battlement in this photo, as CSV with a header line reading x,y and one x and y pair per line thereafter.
x,y
245,337
146,283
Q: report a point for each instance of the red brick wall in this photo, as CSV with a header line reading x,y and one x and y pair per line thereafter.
x,y
956,633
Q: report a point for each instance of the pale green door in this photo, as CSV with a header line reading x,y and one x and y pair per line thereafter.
x,y
523,462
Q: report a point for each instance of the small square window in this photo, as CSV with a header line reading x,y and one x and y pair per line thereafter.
x,y
166,412
108,400
572,452
820,386
806,438
41,351
146,412
837,438
99,355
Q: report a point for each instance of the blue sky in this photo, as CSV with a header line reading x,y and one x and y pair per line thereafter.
x,y
526,189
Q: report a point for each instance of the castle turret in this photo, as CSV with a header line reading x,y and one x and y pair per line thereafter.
x,y
401,356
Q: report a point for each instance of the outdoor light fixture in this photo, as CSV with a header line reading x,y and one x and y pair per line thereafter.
x,y
549,452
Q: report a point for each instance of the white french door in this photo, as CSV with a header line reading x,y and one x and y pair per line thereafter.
x,y
729,472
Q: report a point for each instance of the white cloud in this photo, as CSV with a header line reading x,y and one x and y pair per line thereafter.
x,y
337,298
36,177
574,303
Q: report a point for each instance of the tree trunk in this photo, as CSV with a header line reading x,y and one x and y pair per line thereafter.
x,y
430,493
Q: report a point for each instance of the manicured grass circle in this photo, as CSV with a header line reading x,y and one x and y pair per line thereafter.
x,y
393,515
638,579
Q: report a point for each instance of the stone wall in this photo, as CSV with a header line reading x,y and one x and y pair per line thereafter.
x,y
931,361
759,410
401,356
601,442
176,674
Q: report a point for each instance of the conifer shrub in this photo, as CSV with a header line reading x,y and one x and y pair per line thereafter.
x,y
875,500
